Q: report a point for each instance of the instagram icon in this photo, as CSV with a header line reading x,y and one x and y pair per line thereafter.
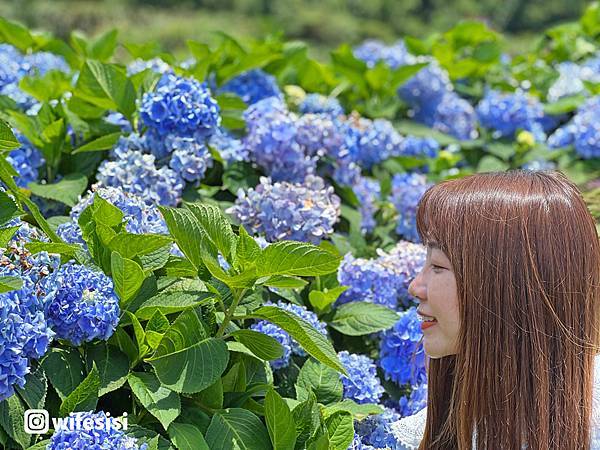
x,y
36,421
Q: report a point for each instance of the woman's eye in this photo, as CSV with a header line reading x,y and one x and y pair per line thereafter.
x,y
437,269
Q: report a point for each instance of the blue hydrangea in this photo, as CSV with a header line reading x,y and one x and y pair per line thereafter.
x,y
78,437
401,354
368,192
449,114
252,86
419,147
320,104
307,316
506,113
362,384
539,164
376,429
415,402
407,190
40,63
372,51
118,119
357,444
155,65
377,140
26,160
572,77
583,131
189,159
180,106
271,141
81,304
427,87
301,212
136,173
383,280
281,336
230,148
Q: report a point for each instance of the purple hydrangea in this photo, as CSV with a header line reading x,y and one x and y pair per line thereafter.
x,y
372,51
383,280
136,173
271,141
180,106
376,429
230,148
407,190
26,160
368,192
252,86
362,384
415,402
102,434
189,159
320,104
81,304
583,131
301,212
401,354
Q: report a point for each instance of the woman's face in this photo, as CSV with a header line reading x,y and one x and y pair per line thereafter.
x,y
435,290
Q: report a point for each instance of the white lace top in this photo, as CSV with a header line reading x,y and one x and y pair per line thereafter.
x,y
409,430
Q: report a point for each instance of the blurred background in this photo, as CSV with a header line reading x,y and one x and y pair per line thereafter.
x,y
322,23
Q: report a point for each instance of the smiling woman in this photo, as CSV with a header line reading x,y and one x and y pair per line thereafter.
x,y
512,281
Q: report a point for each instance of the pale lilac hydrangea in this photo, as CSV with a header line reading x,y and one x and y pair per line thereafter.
x,y
229,147
361,384
368,192
189,159
407,190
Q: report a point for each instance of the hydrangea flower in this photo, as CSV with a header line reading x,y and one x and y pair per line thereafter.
x,y
583,131
253,86
367,191
571,78
301,212
98,437
26,160
415,402
118,119
401,355
427,87
40,63
376,430
383,280
320,104
271,141
290,346
136,173
81,305
180,106
407,190
420,147
230,148
155,64
357,444
377,140
362,384
449,114
189,159
539,164
372,51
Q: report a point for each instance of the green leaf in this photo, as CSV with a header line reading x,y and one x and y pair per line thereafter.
x,y
360,318
212,396
187,360
340,428
8,208
263,346
295,259
156,327
8,284
280,422
127,276
42,445
123,341
16,34
217,228
130,245
161,402
491,164
67,190
311,340
106,142
322,300
12,411
186,231
237,428
171,302
247,249
358,410
104,46
187,437
322,380
52,247
112,364
6,234
64,368
307,418
84,397
284,281
106,86
34,392
8,141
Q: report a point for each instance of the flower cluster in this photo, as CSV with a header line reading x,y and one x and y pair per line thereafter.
x,y
81,304
572,77
155,65
320,104
253,86
290,346
401,355
377,140
302,212
583,131
383,280
361,384
26,160
376,429
372,51
407,190
189,159
96,435
368,192
181,107
419,147
415,402
230,148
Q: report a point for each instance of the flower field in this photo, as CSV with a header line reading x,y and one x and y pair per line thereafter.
x,y
219,248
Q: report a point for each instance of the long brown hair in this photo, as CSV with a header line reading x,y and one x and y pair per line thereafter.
x,y
526,257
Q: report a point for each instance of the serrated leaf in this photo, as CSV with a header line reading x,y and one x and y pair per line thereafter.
x,y
283,282
265,349
247,249
280,422
8,141
187,437
130,245
216,227
340,428
187,360
12,411
322,380
236,428
8,208
53,247
6,234
84,397
127,276
34,391
65,370
186,231
161,402
112,365
295,259
358,410
171,302
360,318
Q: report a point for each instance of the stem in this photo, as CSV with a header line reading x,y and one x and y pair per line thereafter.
x,y
230,311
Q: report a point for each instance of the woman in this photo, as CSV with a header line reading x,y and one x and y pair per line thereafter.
x,y
511,294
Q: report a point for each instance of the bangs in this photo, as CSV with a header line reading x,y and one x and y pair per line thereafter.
x,y
434,213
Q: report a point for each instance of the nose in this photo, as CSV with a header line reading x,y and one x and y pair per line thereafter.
x,y
417,287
